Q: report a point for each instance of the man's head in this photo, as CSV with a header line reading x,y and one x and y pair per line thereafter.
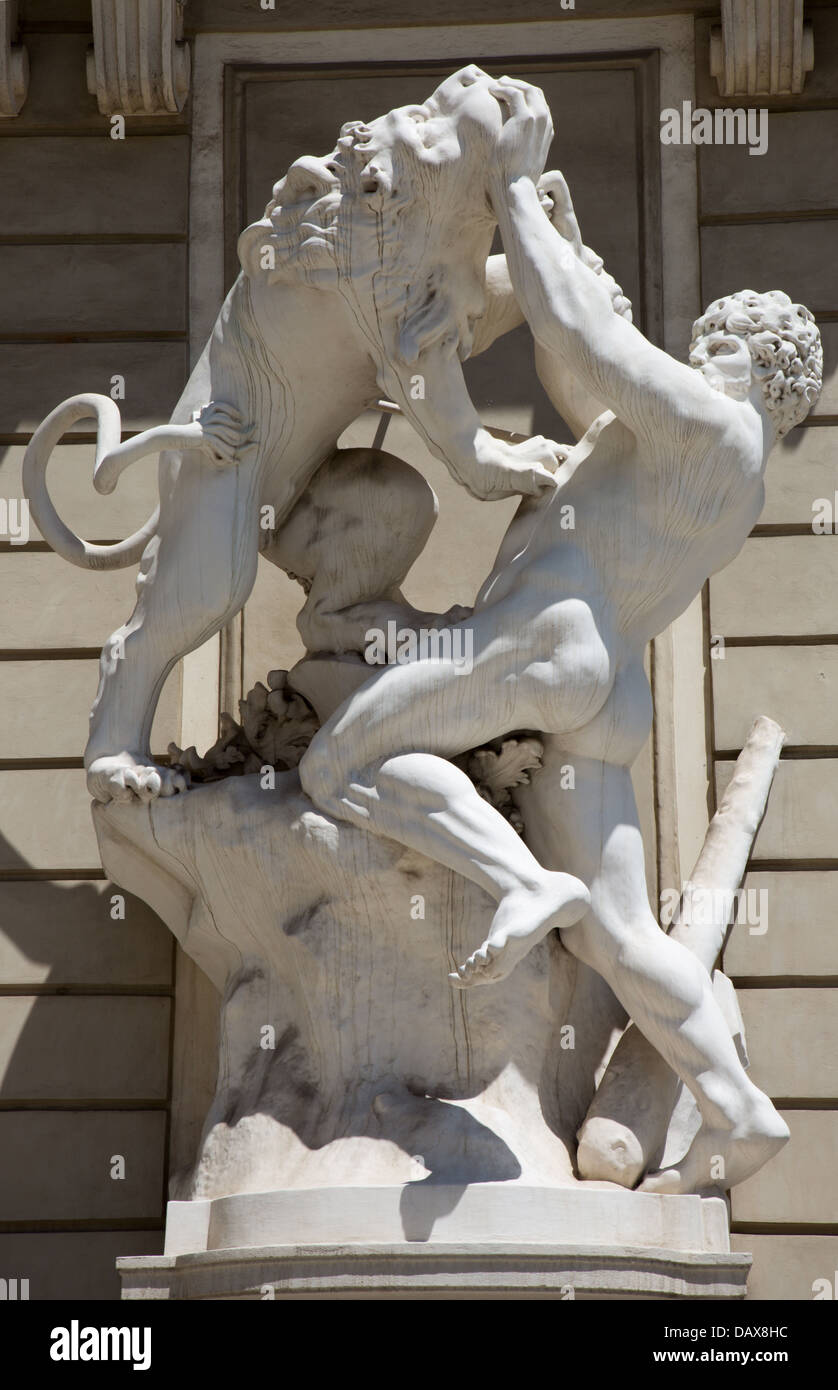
x,y
749,339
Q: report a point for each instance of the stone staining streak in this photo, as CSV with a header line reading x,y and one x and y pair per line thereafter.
x,y
14,63
762,49
138,64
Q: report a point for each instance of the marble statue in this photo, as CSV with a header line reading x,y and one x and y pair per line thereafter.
x,y
666,484
400,1050
368,268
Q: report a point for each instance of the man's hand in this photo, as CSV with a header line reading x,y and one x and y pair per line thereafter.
x,y
526,136
554,197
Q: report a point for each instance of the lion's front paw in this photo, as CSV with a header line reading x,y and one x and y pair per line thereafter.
x,y
130,777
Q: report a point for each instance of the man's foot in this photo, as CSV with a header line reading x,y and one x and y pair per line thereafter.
x,y
523,918
720,1158
130,776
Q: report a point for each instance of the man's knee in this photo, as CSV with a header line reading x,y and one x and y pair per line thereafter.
x,y
604,939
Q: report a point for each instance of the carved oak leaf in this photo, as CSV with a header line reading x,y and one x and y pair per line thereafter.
x,y
276,728
509,767
496,770
253,714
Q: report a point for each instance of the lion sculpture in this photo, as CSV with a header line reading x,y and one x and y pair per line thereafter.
x,y
368,275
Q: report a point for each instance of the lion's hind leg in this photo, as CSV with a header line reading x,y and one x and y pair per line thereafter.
x,y
195,574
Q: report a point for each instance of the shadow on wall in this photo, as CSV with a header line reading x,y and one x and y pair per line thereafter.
x,y
504,385
87,974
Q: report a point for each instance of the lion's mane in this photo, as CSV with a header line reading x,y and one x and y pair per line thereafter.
x,y
340,222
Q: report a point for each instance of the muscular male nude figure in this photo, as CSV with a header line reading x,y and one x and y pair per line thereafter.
x,y
666,483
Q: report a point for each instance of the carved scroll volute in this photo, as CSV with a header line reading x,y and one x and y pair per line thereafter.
x,y
138,64
14,62
762,49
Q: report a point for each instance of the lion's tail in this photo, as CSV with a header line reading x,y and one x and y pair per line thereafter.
x,y
64,541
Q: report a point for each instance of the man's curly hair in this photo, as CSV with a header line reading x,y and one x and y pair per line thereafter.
x,y
785,346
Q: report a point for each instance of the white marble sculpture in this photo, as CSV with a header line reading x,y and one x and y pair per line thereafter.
x,y
370,267
367,268
666,484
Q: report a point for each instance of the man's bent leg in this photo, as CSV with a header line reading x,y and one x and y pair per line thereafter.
x,y
356,771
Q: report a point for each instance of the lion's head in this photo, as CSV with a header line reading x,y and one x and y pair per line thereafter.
x,y
397,217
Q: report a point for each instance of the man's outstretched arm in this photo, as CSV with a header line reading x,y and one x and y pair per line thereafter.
x,y
570,397
571,316
568,306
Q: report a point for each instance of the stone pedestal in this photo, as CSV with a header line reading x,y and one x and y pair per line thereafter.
x,y
376,1133
346,1056
427,1240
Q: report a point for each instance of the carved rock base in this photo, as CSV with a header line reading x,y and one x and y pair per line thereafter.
x,y
375,1132
346,1057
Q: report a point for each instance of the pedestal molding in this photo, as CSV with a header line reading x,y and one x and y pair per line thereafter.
x,y
413,1214
437,1271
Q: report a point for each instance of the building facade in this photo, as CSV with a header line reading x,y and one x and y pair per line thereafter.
x,y
124,189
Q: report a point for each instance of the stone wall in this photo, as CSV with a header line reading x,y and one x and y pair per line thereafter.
x,y
94,249
765,221
92,285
